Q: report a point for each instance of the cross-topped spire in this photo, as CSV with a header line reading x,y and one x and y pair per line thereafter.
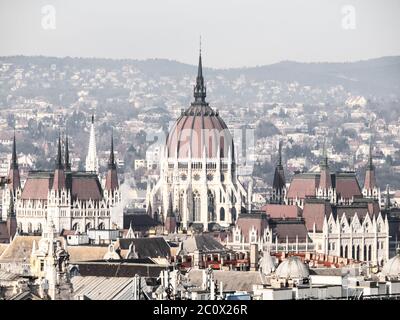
x,y
199,91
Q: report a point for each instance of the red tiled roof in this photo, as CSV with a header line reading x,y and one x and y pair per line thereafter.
x,y
282,211
290,228
86,187
315,211
302,186
246,221
83,186
347,187
36,188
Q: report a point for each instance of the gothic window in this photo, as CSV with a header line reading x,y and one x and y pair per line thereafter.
x,y
253,236
222,214
330,228
237,236
211,206
29,227
101,226
75,227
196,206
181,204
233,212
379,227
39,227
88,226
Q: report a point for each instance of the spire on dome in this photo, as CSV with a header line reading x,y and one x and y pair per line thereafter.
x,y
199,91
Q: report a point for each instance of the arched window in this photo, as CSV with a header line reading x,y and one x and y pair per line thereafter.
x,y
196,206
75,227
101,226
222,214
211,206
233,212
88,226
39,227
181,204
29,227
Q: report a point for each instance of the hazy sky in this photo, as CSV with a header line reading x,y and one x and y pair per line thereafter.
x,y
234,32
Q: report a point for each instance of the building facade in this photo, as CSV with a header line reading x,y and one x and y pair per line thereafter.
x,y
198,168
73,200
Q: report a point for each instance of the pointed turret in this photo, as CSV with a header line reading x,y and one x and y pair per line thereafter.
x,y
370,180
14,181
387,201
279,183
112,176
199,91
170,220
92,162
59,173
11,220
66,155
325,181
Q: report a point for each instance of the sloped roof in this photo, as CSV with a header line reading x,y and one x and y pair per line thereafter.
x,y
103,288
19,250
83,185
289,228
121,268
303,185
86,253
314,211
153,247
139,221
4,235
201,242
281,211
231,280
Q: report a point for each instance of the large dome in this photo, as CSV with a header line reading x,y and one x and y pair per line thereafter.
x,y
292,268
392,267
198,128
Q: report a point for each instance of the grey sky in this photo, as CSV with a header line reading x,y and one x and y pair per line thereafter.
x,y
234,32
